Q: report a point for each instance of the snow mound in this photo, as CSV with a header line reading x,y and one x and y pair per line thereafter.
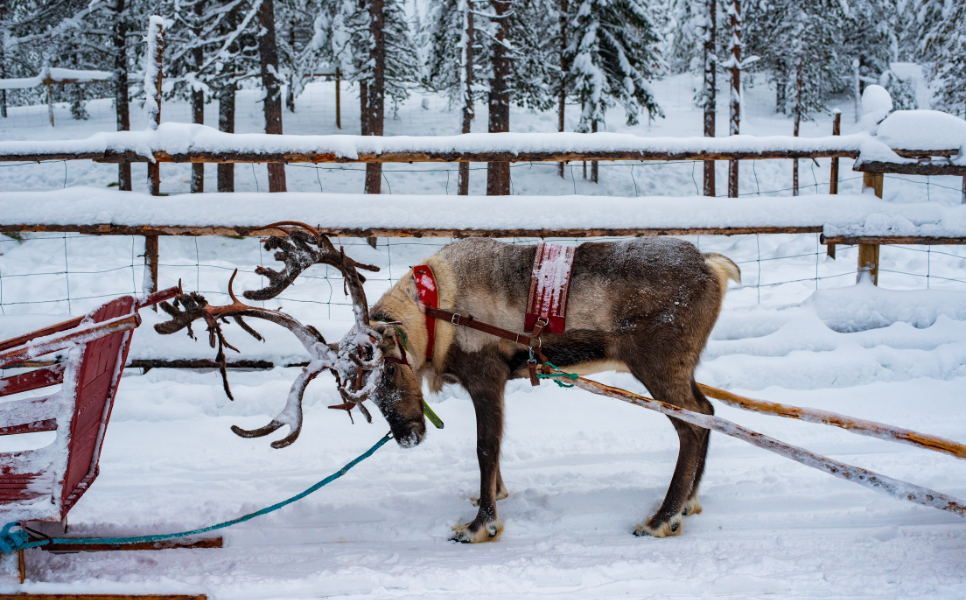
x,y
922,130
876,105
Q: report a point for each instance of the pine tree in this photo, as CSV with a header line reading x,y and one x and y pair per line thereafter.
x,y
805,40
452,66
943,47
613,54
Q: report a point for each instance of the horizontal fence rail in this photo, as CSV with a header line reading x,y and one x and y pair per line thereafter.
x,y
182,143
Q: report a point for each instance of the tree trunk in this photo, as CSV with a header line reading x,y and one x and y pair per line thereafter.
x,y
798,117
735,128
290,92
564,68
781,84
268,55
3,58
377,88
594,165
121,87
498,173
856,87
468,110
710,89
198,102
226,123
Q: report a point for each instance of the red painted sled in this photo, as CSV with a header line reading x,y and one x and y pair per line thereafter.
x,y
42,485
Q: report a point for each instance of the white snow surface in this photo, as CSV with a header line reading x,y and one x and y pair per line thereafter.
x,y
841,214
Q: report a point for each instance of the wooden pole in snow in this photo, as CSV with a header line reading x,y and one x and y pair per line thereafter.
x,y
338,98
880,483
198,100
562,92
869,253
463,186
152,88
50,104
859,426
735,126
833,180
710,85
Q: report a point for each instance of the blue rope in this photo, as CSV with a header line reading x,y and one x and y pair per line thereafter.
x,y
18,540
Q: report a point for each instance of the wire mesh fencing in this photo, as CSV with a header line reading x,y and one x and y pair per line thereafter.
x,y
72,273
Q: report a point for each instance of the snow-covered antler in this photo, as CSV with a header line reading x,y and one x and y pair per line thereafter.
x,y
304,247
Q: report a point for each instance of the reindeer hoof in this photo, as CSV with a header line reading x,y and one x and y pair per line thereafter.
x,y
693,507
660,530
501,495
471,533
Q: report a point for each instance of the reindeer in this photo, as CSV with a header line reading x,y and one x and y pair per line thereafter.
x,y
644,306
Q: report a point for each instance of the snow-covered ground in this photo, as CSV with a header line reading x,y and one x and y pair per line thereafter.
x,y
582,470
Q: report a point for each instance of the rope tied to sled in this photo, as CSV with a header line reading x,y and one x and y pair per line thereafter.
x,y
14,540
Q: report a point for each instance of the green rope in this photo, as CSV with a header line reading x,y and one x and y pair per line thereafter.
x,y
555,376
11,541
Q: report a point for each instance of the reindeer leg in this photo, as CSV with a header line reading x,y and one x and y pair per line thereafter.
x,y
693,507
501,492
672,387
486,388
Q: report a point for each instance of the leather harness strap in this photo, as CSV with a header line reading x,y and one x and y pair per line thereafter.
x,y
532,340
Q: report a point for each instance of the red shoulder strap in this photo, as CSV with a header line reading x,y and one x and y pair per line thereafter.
x,y
428,296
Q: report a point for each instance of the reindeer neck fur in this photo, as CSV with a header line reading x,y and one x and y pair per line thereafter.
x,y
401,304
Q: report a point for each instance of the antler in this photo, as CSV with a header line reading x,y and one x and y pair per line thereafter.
x,y
305,247
298,254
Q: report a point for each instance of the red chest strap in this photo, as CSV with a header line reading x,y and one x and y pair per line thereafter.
x,y
428,296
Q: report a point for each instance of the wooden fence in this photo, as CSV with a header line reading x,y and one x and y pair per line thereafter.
x,y
217,147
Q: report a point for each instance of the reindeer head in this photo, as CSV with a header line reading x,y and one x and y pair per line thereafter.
x,y
368,364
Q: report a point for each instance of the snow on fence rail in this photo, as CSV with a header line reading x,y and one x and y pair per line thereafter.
x,y
49,76
185,143
111,212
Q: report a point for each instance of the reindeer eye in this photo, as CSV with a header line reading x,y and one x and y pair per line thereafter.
x,y
390,369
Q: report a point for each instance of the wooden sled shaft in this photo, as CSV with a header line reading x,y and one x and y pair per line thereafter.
x,y
874,481
859,426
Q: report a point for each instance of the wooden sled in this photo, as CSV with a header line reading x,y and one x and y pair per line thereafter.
x,y
39,487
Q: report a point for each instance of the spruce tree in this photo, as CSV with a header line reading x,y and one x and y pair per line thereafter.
x,y
943,47
613,55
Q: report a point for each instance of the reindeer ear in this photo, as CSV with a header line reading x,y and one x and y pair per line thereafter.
x,y
334,346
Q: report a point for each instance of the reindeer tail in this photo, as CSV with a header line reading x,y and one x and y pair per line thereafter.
x,y
724,268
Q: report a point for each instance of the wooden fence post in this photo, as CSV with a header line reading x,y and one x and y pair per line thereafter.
x,y
869,253
152,81
833,179
50,103
338,98
594,165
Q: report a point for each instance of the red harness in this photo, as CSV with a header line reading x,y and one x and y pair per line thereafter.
x,y
428,296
